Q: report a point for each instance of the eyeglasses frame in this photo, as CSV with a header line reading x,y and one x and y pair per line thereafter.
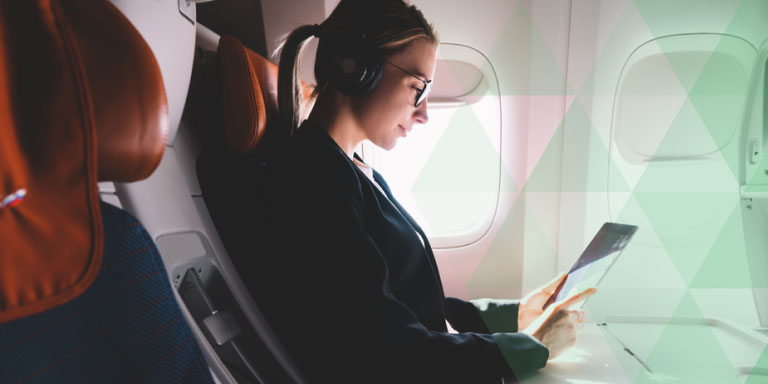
x,y
423,92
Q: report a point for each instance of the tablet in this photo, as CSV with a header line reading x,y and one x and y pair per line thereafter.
x,y
595,261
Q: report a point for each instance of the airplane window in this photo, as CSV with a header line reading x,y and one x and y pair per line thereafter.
x,y
680,99
674,168
678,107
446,172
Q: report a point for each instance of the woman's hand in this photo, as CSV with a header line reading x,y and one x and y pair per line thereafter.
x,y
531,305
557,326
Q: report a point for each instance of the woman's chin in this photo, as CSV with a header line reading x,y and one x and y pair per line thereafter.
x,y
387,145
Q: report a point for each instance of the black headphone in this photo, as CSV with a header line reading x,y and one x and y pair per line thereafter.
x,y
352,66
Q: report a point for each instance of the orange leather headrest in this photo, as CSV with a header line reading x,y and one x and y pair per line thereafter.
x,y
81,99
130,108
248,94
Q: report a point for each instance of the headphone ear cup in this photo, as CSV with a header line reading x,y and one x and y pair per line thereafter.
x,y
352,71
374,70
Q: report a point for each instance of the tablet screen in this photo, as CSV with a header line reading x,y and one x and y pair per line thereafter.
x,y
597,258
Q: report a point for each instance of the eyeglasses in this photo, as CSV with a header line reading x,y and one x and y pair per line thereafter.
x,y
421,93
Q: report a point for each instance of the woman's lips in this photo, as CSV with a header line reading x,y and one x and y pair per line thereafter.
x,y
404,132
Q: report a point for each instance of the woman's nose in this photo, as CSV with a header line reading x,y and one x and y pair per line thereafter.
x,y
421,113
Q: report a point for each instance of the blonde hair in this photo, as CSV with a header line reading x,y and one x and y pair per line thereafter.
x,y
389,25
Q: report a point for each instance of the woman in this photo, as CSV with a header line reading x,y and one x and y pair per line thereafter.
x,y
351,285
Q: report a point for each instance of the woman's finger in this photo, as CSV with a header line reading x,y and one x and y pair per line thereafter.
x,y
577,298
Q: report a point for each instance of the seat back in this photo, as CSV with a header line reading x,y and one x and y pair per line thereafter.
x,y
84,293
239,126
232,172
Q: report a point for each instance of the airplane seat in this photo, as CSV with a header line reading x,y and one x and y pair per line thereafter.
x,y
247,85
83,291
232,107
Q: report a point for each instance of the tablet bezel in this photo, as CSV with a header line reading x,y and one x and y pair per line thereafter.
x,y
608,227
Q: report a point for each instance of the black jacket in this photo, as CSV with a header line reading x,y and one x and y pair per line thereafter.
x,y
352,292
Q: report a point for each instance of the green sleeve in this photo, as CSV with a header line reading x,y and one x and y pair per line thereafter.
x,y
497,314
523,353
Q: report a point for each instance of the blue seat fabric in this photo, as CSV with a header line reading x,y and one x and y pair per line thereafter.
x,y
126,328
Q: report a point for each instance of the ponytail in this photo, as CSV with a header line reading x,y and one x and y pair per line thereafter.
x,y
290,99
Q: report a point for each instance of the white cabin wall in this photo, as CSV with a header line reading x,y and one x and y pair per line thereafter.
x,y
549,95
595,61
604,33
